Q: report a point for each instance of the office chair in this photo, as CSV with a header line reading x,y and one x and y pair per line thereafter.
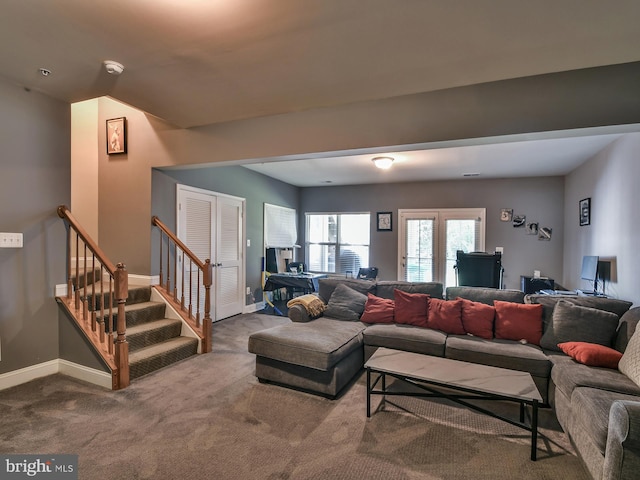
x,y
370,273
479,269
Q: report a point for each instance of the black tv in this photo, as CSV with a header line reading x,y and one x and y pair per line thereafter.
x,y
590,271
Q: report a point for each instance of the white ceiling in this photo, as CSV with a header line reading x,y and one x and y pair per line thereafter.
x,y
493,158
199,62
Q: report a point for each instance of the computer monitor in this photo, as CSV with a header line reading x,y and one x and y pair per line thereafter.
x,y
590,270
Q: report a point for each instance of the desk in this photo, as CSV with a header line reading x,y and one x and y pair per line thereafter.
x,y
307,282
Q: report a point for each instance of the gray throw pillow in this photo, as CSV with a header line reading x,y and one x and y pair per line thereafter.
x,y
630,361
345,304
573,323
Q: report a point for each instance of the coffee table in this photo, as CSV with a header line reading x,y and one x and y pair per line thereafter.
x,y
473,381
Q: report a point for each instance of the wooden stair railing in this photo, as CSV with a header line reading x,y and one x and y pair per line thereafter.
x,y
89,313
199,321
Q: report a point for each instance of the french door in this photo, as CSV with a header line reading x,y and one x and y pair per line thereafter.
x,y
429,239
211,225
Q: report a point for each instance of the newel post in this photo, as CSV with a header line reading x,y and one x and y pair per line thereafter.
x,y
207,280
121,287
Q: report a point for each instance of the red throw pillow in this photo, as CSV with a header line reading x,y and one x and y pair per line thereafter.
x,y
411,308
592,354
477,318
378,310
518,321
445,316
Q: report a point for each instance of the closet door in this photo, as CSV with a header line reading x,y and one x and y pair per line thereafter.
x,y
211,225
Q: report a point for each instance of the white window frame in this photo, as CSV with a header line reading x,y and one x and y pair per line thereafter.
x,y
337,243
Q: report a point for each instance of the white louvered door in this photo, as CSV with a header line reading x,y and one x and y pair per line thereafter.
x,y
211,226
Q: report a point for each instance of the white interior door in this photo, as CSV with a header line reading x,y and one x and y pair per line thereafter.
x,y
229,254
211,225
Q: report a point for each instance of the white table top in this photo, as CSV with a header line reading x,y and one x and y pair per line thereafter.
x,y
481,378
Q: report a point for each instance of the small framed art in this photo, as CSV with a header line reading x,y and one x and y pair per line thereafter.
x,y
117,136
385,221
585,211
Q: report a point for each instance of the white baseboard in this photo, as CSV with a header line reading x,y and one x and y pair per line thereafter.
x,y
135,279
255,307
24,375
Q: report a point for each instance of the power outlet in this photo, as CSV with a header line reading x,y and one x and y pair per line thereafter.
x,y
10,240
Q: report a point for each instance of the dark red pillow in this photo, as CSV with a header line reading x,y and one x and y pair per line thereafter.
x,y
445,316
477,318
518,321
411,308
592,354
378,310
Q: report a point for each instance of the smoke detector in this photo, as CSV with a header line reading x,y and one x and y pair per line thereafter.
x,y
113,68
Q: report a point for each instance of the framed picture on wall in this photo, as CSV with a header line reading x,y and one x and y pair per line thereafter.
x,y
585,211
385,221
117,136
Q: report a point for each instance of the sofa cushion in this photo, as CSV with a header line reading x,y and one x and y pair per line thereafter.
x,y
378,310
630,361
345,303
498,353
574,323
569,375
318,344
406,337
626,328
592,354
478,318
591,408
411,308
613,305
326,286
385,288
518,322
485,295
445,315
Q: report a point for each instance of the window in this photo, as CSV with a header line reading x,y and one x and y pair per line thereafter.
x,y
429,240
337,242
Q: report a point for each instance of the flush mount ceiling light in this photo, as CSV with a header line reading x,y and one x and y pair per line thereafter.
x,y
382,162
113,68
45,72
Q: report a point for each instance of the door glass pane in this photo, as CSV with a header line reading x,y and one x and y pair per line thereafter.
x,y
460,235
419,250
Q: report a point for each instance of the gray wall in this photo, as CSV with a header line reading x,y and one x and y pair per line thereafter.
x,y
540,199
611,181
255,188
35,133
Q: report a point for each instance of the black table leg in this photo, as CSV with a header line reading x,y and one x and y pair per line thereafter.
x,y
534,430
368,392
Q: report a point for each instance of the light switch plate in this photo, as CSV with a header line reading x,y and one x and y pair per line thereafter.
x,y
10,240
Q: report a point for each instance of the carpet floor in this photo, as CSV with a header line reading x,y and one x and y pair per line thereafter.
x,y
208,417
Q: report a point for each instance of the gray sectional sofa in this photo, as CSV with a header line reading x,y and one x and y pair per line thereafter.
x,y
599,408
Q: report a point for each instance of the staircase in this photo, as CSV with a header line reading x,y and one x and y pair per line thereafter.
x,y
155,341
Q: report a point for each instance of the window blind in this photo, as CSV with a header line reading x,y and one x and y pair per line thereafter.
x,y
280,229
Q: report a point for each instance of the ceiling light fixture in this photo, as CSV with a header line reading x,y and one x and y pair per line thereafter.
x,y
113,68
383,162
45,72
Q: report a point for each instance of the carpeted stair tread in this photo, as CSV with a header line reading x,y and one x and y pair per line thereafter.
x,y
154,357
146,334
136,293
140,313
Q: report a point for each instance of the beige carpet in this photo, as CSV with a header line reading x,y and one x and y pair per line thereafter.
x,y
209,418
